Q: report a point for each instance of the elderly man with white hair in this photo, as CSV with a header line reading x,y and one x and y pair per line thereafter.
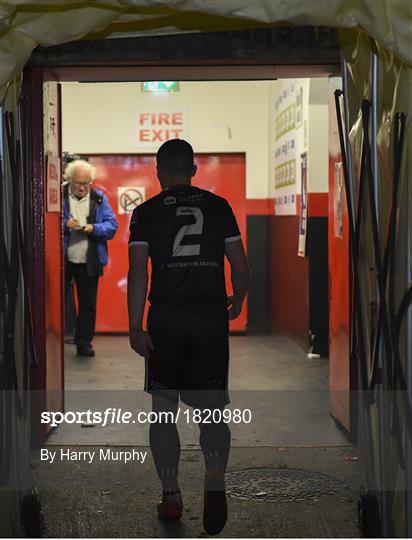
x,y
89,222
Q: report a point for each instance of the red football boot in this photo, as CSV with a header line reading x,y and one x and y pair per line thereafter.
x,y
171,508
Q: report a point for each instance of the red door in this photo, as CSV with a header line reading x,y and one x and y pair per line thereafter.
x,y
127,180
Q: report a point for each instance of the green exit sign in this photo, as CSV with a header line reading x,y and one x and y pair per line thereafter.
x,y
160,86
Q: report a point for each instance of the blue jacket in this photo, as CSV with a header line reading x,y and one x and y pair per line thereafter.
x,y
104,223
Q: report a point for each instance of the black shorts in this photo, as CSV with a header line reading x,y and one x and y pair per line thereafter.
x,y
190,359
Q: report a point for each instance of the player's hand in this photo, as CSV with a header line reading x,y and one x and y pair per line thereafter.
x,y
88,228
234,307
141,342
72,223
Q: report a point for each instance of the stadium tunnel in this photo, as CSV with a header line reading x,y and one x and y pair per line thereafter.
x,y
320,233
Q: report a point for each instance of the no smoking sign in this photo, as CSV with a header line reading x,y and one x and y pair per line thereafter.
x,y
129,197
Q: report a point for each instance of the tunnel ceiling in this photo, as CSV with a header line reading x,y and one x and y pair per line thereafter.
x,y
276,46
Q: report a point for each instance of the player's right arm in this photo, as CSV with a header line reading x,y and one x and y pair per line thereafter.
x,y
240,276
137,280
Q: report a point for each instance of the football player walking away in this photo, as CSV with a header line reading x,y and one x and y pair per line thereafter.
x,y
187,232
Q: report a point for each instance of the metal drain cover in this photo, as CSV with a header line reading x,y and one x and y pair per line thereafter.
x,y
280,484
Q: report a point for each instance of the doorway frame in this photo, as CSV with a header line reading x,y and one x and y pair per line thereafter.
x,y
80,69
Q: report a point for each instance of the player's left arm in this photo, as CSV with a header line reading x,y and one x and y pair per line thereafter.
x,y
236,255
240,276
137,279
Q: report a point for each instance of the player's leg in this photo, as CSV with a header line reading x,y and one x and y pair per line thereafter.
x,y
161,371
165,443
165,447
207,376
206,388
215,443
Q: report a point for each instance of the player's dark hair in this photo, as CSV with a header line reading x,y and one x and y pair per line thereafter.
x,y
176,156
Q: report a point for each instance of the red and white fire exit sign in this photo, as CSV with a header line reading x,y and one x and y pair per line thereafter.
x,y
155,127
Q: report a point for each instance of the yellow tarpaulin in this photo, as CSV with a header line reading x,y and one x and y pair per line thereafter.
x,y
25,24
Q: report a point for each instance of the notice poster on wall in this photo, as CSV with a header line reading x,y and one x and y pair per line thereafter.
x,y
285,149
128,197
303,215
291,112
50,118
337,201
154,127
53,183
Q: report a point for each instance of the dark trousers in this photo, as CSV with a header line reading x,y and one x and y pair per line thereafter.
x,y
87,296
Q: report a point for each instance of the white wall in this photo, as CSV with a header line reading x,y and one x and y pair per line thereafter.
x,y
318,181
223,116
227,116
288,140
309,135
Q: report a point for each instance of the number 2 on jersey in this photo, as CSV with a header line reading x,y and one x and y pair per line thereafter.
x,y
180,250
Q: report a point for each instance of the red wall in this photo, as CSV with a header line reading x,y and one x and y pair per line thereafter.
x,y
288,274
44,270
54,334
289,291
339,319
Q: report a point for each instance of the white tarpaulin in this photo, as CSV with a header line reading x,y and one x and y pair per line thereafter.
x,y
25,24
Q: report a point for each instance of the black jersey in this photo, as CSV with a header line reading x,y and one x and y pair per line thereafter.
x,y
186,229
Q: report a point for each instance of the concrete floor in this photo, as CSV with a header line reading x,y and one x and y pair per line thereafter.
x,y
112,500
291,429
286,392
